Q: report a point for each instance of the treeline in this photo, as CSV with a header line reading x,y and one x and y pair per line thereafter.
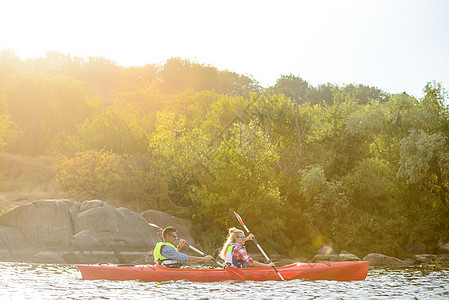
x,y
302,164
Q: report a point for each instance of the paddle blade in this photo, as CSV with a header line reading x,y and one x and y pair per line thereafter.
x,y
238,218
155,226
236,273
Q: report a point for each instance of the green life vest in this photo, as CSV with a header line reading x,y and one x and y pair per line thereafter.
x,y
157,251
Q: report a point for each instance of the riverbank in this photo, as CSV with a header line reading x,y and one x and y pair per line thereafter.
x,y
63,231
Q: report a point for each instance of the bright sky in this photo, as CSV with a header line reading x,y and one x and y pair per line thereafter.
x,y
395,45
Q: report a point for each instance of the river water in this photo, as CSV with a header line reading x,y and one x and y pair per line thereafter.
x,y
50,281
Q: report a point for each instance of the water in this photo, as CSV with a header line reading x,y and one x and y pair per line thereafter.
x,y
40,281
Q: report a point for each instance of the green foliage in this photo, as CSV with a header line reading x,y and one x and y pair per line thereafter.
x,y
91,174
45,109
301,164
425,161
178,75
112,130
8,131
324,204
292,87
244,179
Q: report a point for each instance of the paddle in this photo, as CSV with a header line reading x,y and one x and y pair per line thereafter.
x,y
232,269
257,244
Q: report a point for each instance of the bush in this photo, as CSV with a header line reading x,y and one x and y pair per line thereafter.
x,y
90,174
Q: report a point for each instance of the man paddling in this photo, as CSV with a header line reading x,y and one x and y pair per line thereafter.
x,y
167,254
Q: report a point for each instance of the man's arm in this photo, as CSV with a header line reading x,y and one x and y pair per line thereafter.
x,y
195,259
171,253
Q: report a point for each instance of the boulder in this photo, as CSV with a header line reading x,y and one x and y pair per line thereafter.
x,y
302,260
443,258
91,257
320,257
43,223
346,256
88,232
381,260
13,245
46,257
117,229
85,241
443,248
425,258
162,219
410,261
284,262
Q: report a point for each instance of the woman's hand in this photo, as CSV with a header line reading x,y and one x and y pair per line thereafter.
x,y
249,237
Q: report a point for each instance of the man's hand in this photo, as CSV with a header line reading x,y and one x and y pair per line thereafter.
x,y
181,244
207,257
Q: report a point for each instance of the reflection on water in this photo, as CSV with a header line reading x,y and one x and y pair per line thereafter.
x,y
40,281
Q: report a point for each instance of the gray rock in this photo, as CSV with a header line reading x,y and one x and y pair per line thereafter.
x,y
284,261
43,223
346,256
410,261
84,241
301,259
443,248
444,258
322,257
425,258
46,257
90,257
13,246
88,232
117,229
381,260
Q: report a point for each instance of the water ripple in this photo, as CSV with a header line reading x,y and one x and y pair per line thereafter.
x,y
50,281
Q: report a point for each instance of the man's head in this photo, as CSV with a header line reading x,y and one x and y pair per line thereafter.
x,y
170,235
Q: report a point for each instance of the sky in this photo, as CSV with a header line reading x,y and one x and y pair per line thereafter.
x,y
395,45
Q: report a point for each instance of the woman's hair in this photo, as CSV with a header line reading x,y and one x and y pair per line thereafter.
x,y
233,234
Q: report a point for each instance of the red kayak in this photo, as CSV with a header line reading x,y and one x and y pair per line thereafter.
x,y
341,271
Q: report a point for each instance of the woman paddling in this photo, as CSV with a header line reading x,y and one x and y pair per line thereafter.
x,y
233,252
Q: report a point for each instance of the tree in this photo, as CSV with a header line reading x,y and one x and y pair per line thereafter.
x,y
425,161
115,130
294,87
9,133
45,109
90,174
178,75
242,176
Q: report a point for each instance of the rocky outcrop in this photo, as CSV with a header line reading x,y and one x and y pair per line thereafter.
x,y
13,245
46,257
327,253
43,223
381,260
346,256
443,248
62,231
